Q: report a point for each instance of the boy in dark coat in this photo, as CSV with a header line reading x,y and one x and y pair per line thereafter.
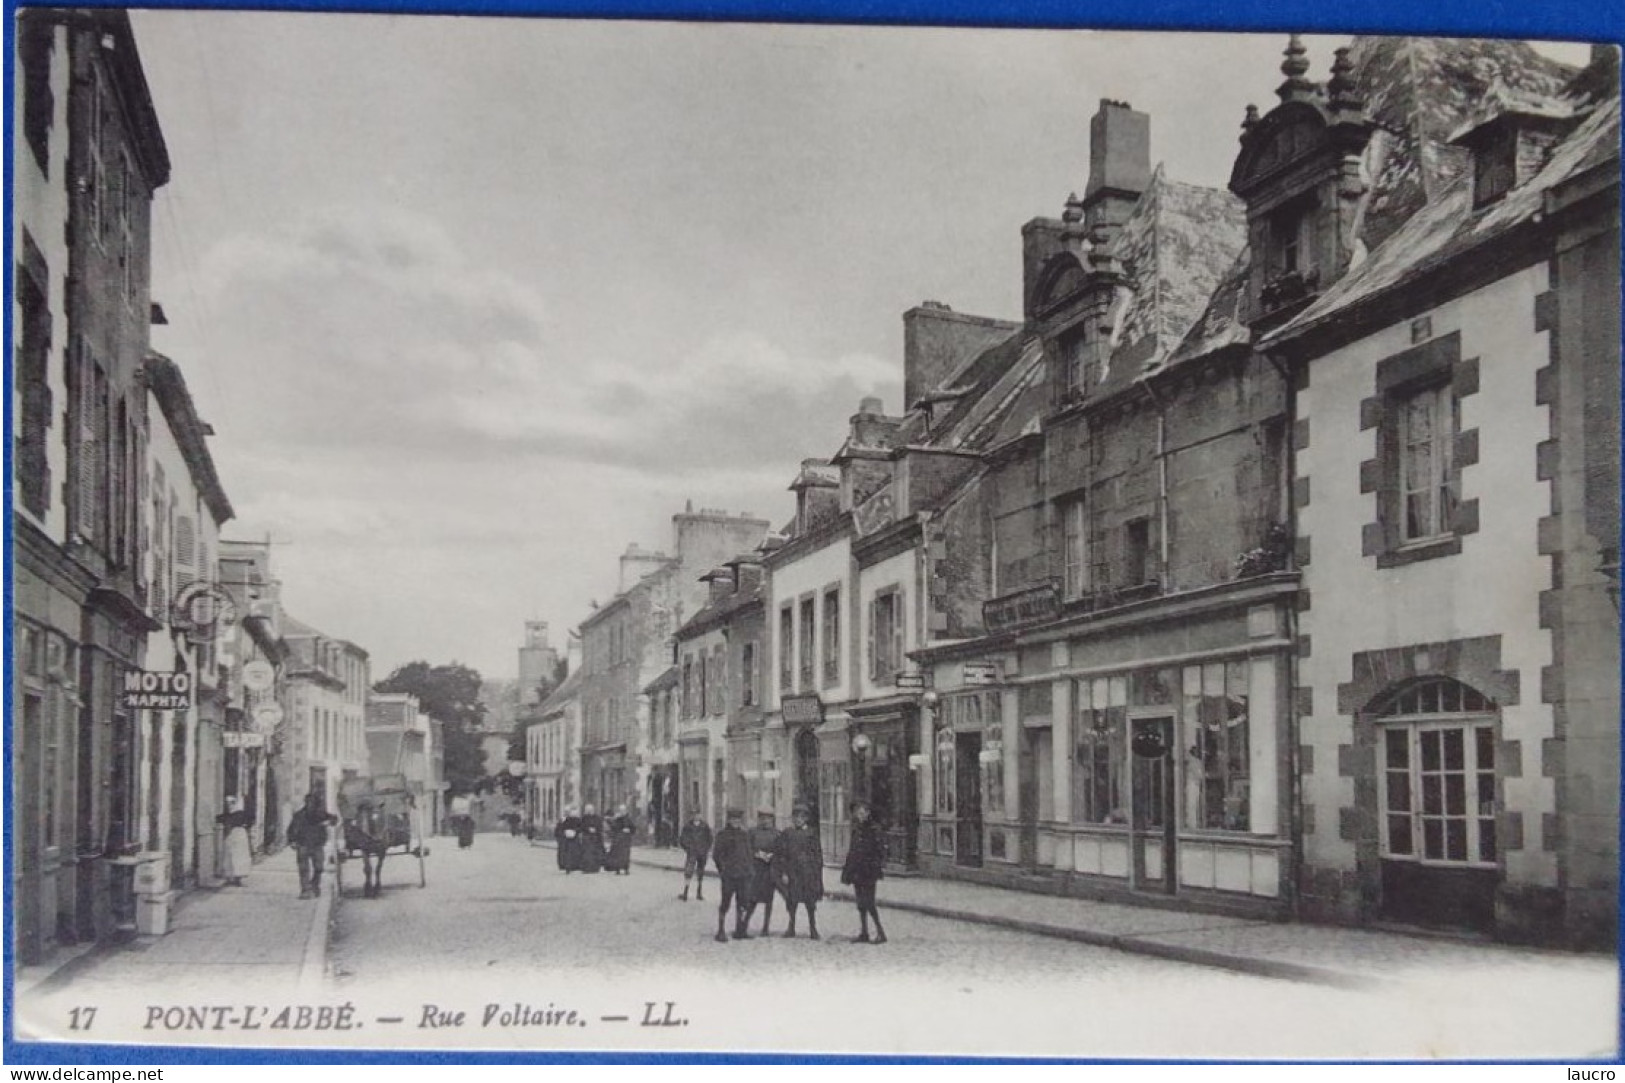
x,y
865,859
764,838
798,869
696,843
731,853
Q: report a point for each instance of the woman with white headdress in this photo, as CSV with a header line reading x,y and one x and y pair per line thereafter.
x,y
236,857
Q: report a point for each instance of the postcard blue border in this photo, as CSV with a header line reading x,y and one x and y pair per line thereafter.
x,y
1567,20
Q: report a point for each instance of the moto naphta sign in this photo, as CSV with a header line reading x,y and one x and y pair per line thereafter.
x,y
158,690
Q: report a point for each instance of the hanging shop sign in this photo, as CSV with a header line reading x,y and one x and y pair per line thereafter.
x,y
202,610
157,690
258,675
910,682
267,716
242,740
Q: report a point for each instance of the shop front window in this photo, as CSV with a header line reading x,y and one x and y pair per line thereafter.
x,y
1216,746
1100,750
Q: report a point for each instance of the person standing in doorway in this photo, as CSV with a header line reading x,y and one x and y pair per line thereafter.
x,y
737,872
307,832
237,857
798,869
764,839
865,863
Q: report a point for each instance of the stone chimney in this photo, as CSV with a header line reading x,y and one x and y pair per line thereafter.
x,y
937,341
818,493
1119,165
636,563
865,460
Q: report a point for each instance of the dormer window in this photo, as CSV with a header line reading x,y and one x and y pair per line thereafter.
x,y
1289,237
1494,169
1077,358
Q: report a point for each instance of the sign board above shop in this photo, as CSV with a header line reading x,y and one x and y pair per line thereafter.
x,y
910,681
802,710
981,673
156,690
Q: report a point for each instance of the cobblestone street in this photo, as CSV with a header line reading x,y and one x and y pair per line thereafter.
x,y
500,920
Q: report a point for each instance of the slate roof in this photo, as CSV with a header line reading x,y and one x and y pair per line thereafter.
x,y
1448,227
1176,247
714,612
1419,92
563,694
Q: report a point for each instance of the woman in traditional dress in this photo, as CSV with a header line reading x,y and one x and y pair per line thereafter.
x,y
592,840
619,858
568,836
237,858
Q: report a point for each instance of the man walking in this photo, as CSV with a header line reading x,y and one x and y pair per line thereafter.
x,y
696,843
307,831
764,839
865,859
798,868
735,869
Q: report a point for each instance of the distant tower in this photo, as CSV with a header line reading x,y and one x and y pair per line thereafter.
x,y
537,662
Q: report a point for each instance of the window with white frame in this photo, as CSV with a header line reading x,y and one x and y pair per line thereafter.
x,y
885,635
1436,740
1428,422
1074,549
787,648
806,638
832,636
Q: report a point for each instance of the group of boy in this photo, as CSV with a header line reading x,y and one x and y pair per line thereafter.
x,y
755,866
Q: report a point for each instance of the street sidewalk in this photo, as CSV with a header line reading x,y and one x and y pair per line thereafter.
x,y
1330,955
263,932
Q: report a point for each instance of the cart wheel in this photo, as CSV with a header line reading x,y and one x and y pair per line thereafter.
x,y
423,874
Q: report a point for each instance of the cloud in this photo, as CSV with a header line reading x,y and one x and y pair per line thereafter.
x,y
372,333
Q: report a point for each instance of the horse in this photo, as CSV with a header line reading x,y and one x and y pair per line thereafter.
x,y
368,833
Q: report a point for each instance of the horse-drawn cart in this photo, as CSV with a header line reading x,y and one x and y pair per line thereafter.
x,y
379,817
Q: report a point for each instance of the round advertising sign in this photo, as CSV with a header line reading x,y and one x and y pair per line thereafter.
x,y
267,715
258,676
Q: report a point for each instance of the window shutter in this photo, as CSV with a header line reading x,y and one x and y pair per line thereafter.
x,y
898,627
874,659
185,543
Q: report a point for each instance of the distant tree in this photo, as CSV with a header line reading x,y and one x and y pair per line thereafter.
x,y
450,694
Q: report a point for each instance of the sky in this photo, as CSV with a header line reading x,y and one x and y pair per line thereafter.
x,y
472,303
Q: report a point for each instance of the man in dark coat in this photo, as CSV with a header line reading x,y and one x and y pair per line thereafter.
x,y
764,838
696,843
798,869
735,869
307,833
865,861
592,840
568,836
619,858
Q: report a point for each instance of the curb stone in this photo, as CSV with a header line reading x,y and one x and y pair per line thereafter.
x,y
1243,964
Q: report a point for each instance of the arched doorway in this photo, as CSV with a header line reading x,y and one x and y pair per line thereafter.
x,y
1437,800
